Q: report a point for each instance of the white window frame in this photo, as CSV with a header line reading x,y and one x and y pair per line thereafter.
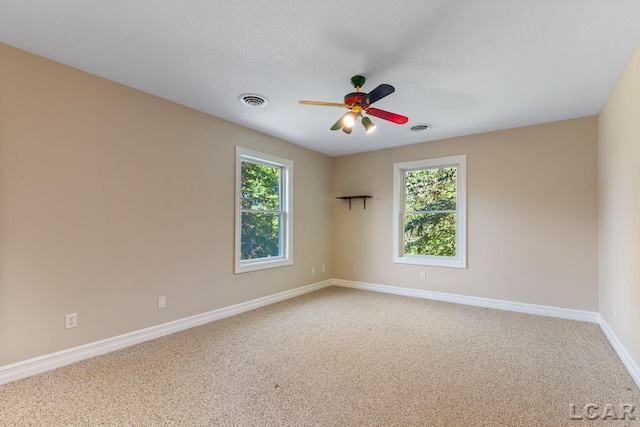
x,y
399,169
286,191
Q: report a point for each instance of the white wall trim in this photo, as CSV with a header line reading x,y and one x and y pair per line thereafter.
x,y
47,362
399,169
286,202
542,310
520,307
624,355
58,359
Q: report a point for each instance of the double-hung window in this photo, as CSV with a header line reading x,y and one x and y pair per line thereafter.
x,y
429,212
263,211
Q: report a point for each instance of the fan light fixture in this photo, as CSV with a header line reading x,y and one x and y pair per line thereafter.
x,y
369,126
349,120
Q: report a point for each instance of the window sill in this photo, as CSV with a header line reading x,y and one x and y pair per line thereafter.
x,y
245,267
431,261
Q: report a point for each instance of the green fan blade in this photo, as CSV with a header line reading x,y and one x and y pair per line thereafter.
x,y
338,124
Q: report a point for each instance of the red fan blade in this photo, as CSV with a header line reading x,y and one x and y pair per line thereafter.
x,y
392,117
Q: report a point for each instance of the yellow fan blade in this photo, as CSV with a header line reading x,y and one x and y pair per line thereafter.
x,y
328,104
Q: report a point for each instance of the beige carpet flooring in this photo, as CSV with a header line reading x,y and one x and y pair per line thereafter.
x,y
340,357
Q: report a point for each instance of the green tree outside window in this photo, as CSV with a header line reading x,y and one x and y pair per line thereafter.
x,y
262,214
430,212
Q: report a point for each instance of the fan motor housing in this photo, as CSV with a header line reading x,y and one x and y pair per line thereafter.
x,y
353,98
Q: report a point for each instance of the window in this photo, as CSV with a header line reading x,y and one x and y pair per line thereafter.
x,y
429,214
263,211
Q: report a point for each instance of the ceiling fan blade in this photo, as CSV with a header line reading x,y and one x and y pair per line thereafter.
x,y
338,124
327,104
392,117
376,95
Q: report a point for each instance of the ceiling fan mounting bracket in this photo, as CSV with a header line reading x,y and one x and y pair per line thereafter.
x,y
358,82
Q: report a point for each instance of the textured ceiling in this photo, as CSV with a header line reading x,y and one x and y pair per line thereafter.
x,y
463,66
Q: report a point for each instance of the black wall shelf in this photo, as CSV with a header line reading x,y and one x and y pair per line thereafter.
x,y
363,197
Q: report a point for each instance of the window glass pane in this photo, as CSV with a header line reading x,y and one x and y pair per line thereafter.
x,y
260,186
260,235
431,189
430,234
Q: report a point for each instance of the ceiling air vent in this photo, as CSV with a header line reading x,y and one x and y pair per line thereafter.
x,y
421,128
253,100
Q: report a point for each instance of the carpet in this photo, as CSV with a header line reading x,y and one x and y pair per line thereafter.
x,y
344,357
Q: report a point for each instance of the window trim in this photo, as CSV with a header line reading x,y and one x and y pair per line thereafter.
x,y
460,260
286,184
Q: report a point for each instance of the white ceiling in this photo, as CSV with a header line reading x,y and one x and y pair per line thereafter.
x,y
464,66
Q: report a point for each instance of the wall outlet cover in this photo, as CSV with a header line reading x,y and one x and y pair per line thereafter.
x,y
71,320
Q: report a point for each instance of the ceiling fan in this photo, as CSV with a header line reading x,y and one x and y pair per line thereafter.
x,y
360,103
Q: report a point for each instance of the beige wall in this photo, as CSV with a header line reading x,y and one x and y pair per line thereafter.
x,y
110,197
532,216
619,188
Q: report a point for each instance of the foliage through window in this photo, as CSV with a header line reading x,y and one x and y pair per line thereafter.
x,y
429,222
263,216
430,212
261,210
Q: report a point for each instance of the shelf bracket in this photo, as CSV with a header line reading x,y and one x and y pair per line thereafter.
x,y
349,198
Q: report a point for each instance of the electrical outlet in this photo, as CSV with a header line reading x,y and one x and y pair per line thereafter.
x,y
423,275
71,321
162,302
323,268
313,270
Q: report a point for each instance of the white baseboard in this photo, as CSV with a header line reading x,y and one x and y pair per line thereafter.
x,y
542,310
623,354
51,361
47,362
